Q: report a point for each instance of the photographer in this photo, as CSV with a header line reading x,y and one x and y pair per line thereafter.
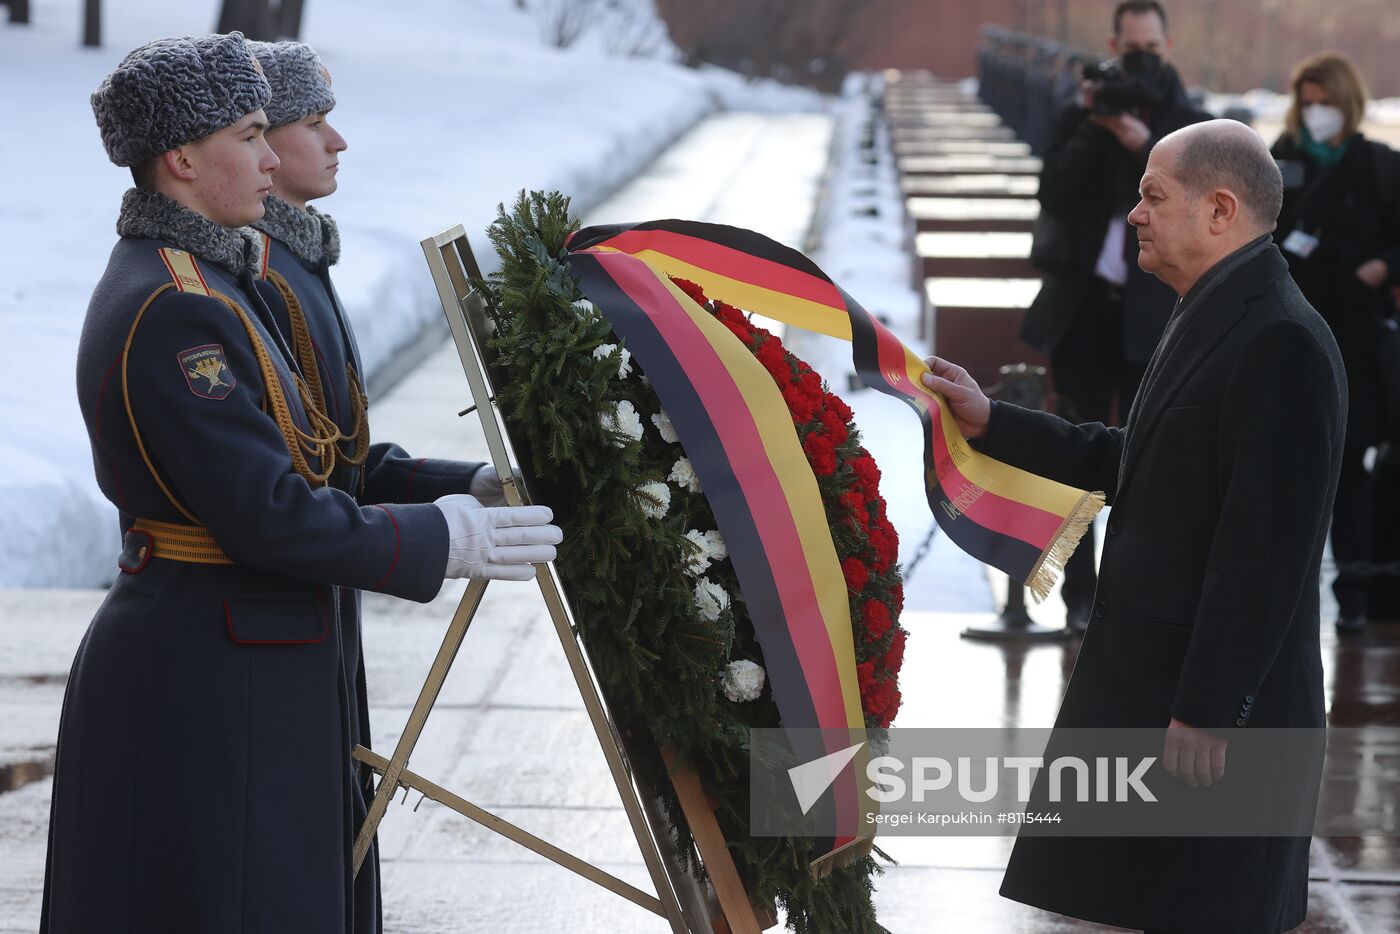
x,y
1340,230
1098,316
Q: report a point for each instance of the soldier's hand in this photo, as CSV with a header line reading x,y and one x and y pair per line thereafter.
x,y
969,404
486,486
496,542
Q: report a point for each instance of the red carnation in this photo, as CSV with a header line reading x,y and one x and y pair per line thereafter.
x,y
771,355
738,331
889,702
802,405
897,598
690,288
856,575
838,405
731,315
835,427
820,454
867,474
855,503
876,619
894,658
865,676
885,541
809,386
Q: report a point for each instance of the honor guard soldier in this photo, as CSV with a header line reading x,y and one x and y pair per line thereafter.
x,y
299,245
203,779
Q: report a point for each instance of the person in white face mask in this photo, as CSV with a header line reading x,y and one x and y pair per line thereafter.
x,y
1340,230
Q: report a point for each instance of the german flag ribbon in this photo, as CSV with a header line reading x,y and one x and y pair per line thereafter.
x,y
737,431
1019,523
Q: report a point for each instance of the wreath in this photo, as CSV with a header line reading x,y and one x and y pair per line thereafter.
x,y
653,593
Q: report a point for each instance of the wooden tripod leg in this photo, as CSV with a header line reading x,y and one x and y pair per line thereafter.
x,y
738,914
427,696
611,745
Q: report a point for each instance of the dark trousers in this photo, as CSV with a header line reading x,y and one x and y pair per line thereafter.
x,y
1353,531
1094,382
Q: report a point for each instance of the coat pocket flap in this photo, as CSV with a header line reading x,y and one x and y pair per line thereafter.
x,y
275,621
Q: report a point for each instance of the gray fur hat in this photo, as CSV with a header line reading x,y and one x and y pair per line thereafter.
x,y
301,85
173,91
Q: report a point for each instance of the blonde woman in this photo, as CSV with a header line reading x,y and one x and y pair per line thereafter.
x,y
1340,230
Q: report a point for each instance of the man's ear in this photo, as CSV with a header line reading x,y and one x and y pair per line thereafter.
x,y
1224,209
178,164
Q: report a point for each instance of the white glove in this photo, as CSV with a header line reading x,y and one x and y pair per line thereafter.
x,y
496,542
486,486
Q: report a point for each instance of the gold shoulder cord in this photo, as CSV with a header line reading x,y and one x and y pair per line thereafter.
x,y
306,354
187,278
131,417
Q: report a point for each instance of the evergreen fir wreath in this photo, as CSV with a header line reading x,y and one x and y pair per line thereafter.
x,y
652,589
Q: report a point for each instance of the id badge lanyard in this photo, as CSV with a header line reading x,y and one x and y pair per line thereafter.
x,y
1300,242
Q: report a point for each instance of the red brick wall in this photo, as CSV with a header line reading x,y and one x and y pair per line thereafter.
x,y
1227,45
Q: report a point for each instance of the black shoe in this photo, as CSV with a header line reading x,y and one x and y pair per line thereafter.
x,y
1077,619
1351,625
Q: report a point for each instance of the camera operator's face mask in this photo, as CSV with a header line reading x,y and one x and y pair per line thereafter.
x,y
1323,121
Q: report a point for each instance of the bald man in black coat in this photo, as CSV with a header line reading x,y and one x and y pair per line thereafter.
x,y
1206,615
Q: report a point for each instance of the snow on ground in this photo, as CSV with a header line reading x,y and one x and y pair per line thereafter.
x,y
447,114
862,243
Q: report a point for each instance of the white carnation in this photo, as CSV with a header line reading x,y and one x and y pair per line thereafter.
x,y
654,499
700,557
711,599
718,549
662,421
607,350
742,680
623,420
683,476
585,308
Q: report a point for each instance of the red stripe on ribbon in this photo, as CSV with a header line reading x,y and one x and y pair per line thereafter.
x,y
1030,524
767,501
736,264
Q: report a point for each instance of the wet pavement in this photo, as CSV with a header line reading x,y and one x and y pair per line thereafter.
x,y
951,883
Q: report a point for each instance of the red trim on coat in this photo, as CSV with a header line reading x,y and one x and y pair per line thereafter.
x,y
398,543
150,552
228,622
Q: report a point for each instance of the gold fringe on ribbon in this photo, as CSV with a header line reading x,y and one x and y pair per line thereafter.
x,y
842,856
1067,537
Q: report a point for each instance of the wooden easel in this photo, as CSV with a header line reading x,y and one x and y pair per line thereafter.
x,y
723,906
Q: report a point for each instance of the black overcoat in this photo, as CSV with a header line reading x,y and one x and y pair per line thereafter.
x,y
203,777
1354,211
1207,605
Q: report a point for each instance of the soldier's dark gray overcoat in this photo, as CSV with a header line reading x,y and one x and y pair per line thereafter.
x,y
203,778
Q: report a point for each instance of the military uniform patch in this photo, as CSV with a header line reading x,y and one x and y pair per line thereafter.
x,y
206,371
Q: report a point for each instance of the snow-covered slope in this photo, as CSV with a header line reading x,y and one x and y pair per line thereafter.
x,y
449,107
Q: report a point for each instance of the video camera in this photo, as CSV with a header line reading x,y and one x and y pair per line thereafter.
x,y
1132,84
